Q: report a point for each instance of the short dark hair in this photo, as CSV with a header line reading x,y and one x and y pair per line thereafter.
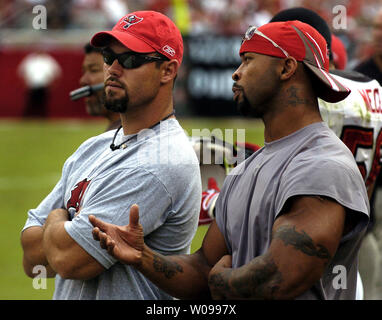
x,y
88,48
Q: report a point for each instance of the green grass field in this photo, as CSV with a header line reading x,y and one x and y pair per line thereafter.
x,y
32,155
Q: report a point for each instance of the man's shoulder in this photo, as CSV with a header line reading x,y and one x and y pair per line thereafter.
x,y
324,149
331,157
100,139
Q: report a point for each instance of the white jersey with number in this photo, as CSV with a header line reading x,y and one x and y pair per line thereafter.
x,y
357,121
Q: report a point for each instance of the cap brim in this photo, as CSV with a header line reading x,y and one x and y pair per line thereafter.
x,y
333,90
102,39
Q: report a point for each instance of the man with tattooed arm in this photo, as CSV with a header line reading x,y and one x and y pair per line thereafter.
x,y
291,215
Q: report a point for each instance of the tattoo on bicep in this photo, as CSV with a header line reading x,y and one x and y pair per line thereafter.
x,y
169,268
301,241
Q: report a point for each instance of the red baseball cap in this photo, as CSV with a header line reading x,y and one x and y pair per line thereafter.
x,y
305,44
340,56
144,32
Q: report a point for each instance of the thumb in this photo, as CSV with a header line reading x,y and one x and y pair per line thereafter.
x,y
98,223
134,215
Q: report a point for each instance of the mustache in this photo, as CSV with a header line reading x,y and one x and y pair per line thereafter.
x,y
236,86
115,80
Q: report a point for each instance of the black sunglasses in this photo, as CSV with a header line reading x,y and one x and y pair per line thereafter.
x,y
128,60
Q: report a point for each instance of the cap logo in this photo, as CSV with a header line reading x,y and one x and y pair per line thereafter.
x,y
169,50
130,20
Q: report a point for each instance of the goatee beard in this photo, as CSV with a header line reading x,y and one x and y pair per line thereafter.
x,y
116,105
245,109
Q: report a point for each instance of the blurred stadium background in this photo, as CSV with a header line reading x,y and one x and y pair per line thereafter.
x,y
34,150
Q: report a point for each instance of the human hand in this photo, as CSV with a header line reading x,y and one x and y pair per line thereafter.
x,y
125,243
219,276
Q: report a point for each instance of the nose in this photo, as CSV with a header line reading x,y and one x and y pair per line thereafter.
x,y
115,68
84,80
236,75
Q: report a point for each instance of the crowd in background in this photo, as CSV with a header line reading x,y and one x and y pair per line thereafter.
x,y
223,17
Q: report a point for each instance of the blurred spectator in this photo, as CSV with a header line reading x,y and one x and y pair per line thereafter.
x,y
63,14
6,13
339,53
92,74
58,13
39,70
113,10
97,13
263,12
162,6
230,17
201,22
372,67
230,21
211,16
220,17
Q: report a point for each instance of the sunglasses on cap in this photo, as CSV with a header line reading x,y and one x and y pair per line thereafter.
x,y
253,30
128,60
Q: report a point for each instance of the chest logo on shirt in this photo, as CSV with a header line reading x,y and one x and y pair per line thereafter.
x,y
77,194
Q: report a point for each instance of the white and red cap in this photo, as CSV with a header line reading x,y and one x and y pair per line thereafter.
x,y
144,32
305,44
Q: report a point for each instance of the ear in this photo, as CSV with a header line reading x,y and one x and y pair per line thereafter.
x,y
169,70
289,68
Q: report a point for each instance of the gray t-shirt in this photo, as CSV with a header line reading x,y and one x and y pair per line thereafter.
x,y
311,161
159,171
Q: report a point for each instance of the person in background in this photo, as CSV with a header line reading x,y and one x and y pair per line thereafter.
x,y
372,67
40,71
340,57
92,74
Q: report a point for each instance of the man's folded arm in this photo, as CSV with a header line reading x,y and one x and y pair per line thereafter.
x,y
64,254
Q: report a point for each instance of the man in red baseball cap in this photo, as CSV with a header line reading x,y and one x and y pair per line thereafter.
x,y
305,44
140,38
291,217
148,160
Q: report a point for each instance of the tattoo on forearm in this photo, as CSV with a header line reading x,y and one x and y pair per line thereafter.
x,y
301,241
169,268
261,280
220,281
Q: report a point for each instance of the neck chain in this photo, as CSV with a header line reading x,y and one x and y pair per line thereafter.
x,y
123,144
